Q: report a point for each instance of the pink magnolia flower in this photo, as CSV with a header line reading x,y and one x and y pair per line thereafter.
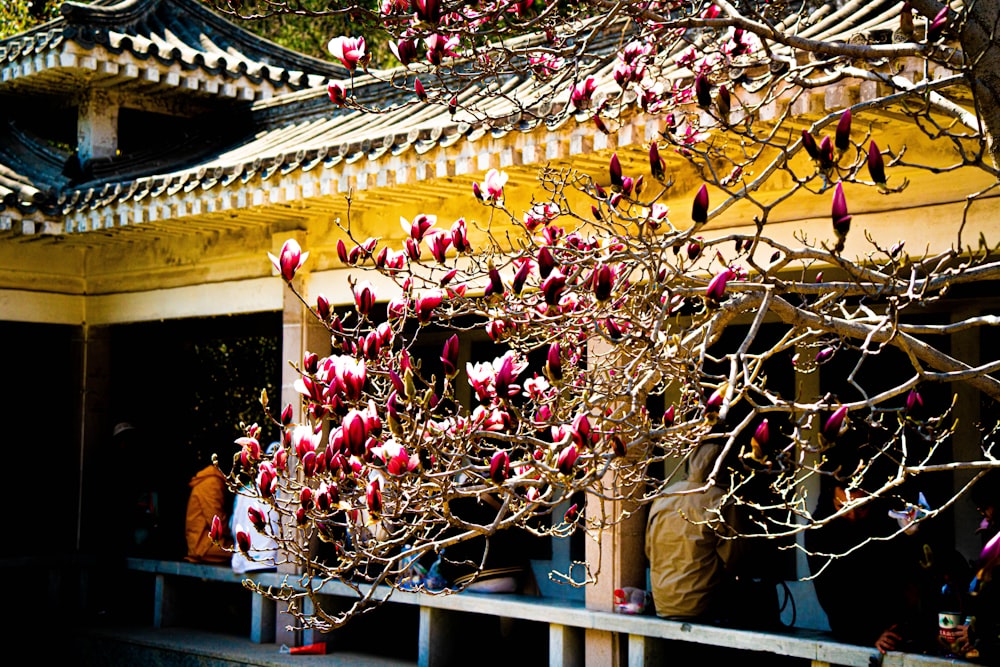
x,y
427,303
582,93
438,243
405,50
350,51
290,259
492,185
419,228
439,46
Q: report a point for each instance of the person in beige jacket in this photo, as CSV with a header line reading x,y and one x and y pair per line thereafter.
x,y
691,563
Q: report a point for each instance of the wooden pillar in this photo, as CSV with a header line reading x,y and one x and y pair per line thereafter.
x,y
966,441
301,332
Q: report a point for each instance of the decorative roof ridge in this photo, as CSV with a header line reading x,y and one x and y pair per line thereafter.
x,y
123,13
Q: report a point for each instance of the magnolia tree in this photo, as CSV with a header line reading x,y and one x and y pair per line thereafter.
x,y
627,334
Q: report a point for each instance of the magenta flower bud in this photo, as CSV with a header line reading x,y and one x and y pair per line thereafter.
x,y
657,166
286,415
337,94
876,165
426,304
323,307
669,417
477,190
938,24
841,220
373,497
546,262
266,480
289,260
342,251
842,139
896,249
243,540
281,459
914,400
603,279
309,463
991,552
257,518
763,434
717,286
835,424
418,88
500,467
301,518
553,287
618,446
724,103
310,362
826,154
428,11
306,497
615,170
567,459
703,91
354,432
694,248
459,236
809,144
572,514
613,329
520,277
449,357
699,209
364,297
496,283
405,50
216,531
714,402
824,355
581,430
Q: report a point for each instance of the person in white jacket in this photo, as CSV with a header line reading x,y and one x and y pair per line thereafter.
x,y
263,552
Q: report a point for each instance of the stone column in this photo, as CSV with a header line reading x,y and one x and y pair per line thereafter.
x,y
619,556
301,332
97,127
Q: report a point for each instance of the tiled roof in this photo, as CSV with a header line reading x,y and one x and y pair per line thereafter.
x,y
160,33
296,135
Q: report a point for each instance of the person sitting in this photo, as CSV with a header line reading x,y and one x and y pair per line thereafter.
x,y
263,552
692,558
876,582
207,500
979,636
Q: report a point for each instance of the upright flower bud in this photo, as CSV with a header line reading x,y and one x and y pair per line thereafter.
x,y
656,163
615,171
500,467
876,165
842,138
553,363
835,424
703,91
699,209
841,220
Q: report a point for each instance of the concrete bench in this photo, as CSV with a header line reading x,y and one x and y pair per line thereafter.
x,y
648,637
